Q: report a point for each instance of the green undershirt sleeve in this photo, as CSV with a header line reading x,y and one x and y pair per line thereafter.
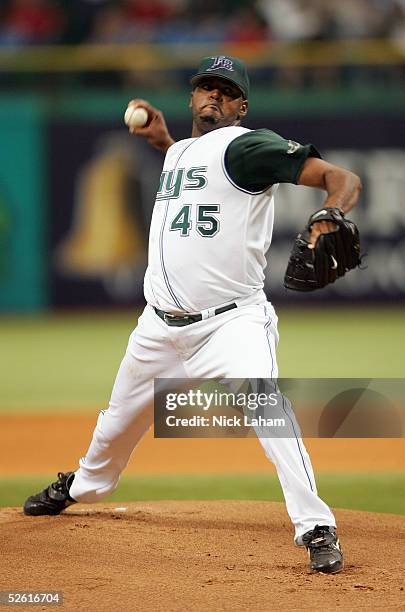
x,y
260,158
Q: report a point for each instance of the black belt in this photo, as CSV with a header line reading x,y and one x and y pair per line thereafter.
x,y
187,319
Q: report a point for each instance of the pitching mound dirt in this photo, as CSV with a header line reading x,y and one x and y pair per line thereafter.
x,y
173,555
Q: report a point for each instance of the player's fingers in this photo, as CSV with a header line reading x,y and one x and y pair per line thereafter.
x,y
153,112
144,103
143,131
157,118
137,101
154,126
315,233
318,228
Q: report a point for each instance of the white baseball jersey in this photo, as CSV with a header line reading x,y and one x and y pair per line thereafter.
x,y
208,237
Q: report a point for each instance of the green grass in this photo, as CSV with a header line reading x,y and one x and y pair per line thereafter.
x,y
62,362
345,343
70,361
371,492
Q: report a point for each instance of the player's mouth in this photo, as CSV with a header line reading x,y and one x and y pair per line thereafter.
x,y
213,106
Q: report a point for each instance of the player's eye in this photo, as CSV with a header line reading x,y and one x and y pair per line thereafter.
x,y
230,92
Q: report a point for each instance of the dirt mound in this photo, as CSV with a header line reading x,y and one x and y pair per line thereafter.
x,y
172,555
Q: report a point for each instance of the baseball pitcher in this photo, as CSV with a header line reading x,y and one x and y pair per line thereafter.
x,y
207,315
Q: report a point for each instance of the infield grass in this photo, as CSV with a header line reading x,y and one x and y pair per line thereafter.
x,y
372,492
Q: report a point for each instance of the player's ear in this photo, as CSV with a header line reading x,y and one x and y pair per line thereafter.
x,y
243,109
190,103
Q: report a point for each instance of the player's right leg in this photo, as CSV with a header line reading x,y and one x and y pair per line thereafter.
x,y
241,344
149,355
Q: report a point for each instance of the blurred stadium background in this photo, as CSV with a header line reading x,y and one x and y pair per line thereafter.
x,y
76,196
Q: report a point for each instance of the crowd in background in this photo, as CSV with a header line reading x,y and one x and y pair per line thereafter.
x,y
233,22
30,22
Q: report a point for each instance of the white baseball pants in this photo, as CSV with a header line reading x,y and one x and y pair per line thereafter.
x,y
240,343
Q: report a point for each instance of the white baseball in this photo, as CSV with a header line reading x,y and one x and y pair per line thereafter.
x,y
135,116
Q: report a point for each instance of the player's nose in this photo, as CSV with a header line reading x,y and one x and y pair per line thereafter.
x,y
216,94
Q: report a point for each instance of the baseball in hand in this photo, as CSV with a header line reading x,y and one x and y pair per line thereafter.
x,y
135,116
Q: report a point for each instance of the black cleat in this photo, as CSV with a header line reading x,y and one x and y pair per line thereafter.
x,y
52,500
323,549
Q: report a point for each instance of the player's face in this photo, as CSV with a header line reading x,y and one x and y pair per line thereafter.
x,y
216,103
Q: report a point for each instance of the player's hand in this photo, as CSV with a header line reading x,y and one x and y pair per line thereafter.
x,y
323,251
318,228
155,131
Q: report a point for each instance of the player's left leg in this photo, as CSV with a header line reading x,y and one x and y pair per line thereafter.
x,y
242,344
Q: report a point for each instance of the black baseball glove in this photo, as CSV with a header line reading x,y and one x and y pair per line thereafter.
x,y
335,253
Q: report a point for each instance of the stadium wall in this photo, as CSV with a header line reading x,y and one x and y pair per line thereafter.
x,y
76,192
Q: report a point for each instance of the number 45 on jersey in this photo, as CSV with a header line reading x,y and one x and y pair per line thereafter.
x,y
206,224
173,183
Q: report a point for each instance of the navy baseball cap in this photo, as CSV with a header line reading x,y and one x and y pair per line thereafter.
x,y
226,67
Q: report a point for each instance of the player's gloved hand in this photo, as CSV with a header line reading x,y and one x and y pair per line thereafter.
x,y
155,131
327,248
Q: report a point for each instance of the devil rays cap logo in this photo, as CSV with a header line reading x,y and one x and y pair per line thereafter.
x,y
221,62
